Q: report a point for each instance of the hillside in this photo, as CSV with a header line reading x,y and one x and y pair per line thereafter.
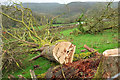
x,y
48,8
71,9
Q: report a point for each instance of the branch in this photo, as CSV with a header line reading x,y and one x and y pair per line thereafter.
x,y
91,50
63,72
21,40
36,57
24,25
101,18
10,17
21,77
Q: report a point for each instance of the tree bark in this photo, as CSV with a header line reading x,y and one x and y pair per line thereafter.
x,y
109,65
62,52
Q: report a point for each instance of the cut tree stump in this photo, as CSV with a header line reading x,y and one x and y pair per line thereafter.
x,y
109,65
62,52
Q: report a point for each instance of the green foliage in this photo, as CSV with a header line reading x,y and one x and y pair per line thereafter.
x,y
82,56
41,75
76,32
60,21
103,19
80,28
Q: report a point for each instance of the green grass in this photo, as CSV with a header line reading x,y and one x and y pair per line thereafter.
x,y
100,42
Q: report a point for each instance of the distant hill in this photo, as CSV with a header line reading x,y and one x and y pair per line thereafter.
x,y
71,9
48,8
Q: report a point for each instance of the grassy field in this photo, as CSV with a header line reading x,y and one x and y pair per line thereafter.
x,y
100,42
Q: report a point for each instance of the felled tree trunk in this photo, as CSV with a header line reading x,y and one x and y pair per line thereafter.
x,y
109,65
62,52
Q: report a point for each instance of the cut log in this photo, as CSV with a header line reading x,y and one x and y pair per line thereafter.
x,y
109,65
62,52
112,52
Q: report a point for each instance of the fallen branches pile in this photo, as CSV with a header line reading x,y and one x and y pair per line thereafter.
x,y
80,69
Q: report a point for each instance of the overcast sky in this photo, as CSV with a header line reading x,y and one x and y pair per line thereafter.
x,y
58,1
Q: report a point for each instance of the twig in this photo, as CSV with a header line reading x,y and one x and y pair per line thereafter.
x,y
36,57
63,72
35,50
11,77
21,77
33,76
88,48
21,40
